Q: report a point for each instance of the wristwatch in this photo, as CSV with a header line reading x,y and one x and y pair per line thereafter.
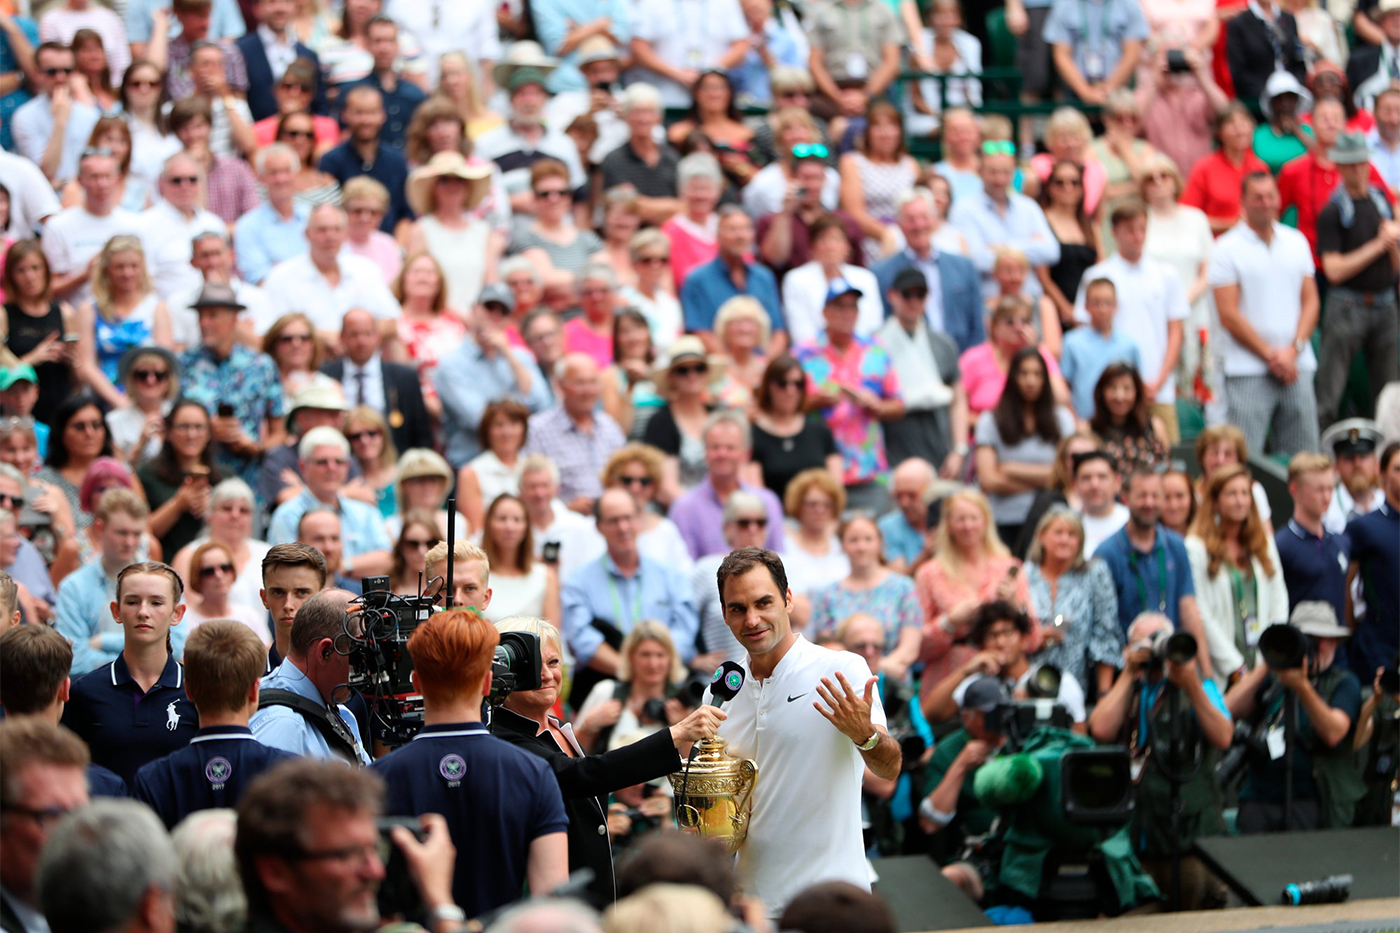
x,y
1299,346
870,742
449,912
962,450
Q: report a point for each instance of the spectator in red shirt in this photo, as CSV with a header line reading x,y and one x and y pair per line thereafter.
x,y
1309,180
1214,184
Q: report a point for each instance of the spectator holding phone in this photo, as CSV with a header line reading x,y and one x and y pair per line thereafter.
x,y
180,477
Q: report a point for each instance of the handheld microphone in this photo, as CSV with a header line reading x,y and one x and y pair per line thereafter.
x,y
724,686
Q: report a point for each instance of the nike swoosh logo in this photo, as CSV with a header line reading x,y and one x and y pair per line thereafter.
x,y
798,697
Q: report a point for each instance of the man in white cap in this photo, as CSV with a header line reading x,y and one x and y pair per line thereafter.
x,y
1352,444
1326,784
1358,240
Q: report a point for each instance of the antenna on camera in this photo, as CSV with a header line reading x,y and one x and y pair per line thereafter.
x,y
451,548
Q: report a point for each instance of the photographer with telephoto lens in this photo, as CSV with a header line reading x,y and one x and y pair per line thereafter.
x,y
1159,670
1326,784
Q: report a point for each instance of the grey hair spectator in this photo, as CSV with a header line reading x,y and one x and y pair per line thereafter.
x,y
208,893
547,917
697,165
743,503
276,149
640,94
515,264
103,864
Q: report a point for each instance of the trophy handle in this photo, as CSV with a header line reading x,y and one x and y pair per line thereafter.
x,y
743,801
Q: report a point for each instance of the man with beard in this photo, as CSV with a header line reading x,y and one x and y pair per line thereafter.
x,y
1353,444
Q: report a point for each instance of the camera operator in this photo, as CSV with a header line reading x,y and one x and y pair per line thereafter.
x,y
1378,732
999,633
585,780
296,712
1326,782
308,851
950,810
502,806
1136,712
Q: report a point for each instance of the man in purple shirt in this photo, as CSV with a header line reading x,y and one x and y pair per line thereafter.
x,y
699,514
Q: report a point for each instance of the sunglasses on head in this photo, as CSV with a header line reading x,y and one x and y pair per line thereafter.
x,y
810,150
998,147
206,572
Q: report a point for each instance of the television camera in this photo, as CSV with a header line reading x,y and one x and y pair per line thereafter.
x,y
377,628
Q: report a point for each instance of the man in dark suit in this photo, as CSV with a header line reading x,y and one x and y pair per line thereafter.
x,y
391,389
268,50
1256,47
586,780
954,302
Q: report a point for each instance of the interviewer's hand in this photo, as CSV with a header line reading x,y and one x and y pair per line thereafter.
x,y
431,861
702,723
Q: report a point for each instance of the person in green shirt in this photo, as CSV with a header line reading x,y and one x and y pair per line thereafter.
x,y
1284,137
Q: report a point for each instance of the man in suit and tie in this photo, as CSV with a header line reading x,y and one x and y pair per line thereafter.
x,y
268,50
953,305
391,389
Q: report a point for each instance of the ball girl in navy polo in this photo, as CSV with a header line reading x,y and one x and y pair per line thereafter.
x,y
134,710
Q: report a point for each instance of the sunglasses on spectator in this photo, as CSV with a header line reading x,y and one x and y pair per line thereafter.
x,y
140,84
294,86
789,383
915,294
1156,176
810,150
55,72
1066,181
206,573
150,375
299,134
864,646
11,502
293,338
998,147
694,369
361,435
95,426
747,523
330,461
550,194
426,544
653,260
642,481
183,179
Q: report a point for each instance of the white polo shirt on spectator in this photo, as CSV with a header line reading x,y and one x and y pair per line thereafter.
x,y
691,34
467,26
73,236
806,824
1150,296
31,196
169,240
1270,277
297,285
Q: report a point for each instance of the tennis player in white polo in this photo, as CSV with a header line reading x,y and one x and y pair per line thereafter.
x,y
812,720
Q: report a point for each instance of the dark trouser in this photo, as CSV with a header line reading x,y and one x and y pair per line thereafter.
x,y
1261,816
1356,322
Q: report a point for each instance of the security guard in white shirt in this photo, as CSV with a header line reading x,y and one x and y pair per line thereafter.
x,y
812,720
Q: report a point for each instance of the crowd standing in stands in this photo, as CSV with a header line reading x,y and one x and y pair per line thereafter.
x,y
638,285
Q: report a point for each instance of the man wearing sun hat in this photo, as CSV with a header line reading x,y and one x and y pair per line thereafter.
x,y
1326,783
525,138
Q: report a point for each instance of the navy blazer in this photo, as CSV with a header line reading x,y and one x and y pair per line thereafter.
x,y
260,100
409,421
962,294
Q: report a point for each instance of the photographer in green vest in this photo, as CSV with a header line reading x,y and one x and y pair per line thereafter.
x,y
1137,713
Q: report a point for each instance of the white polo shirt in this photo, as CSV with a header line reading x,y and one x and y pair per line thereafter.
x,y
1270,277
297,285
806,824
1150,296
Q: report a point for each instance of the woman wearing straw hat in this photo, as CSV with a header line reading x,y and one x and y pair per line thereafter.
x,y
444,193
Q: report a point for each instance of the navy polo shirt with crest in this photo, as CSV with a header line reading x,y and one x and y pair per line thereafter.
x,y
210,772
1314,568
124,727
496,798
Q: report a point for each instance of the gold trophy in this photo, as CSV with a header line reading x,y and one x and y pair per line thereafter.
x,y
714,794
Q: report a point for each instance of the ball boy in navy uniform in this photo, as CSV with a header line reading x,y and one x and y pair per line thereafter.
x,y
502,805
223,663
134,709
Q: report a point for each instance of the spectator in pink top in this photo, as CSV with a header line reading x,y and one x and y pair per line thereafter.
x,y
984,367
591,333
971,566
694,231
63,21
1068,137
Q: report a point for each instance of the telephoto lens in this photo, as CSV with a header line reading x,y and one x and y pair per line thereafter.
x,y
1330,890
